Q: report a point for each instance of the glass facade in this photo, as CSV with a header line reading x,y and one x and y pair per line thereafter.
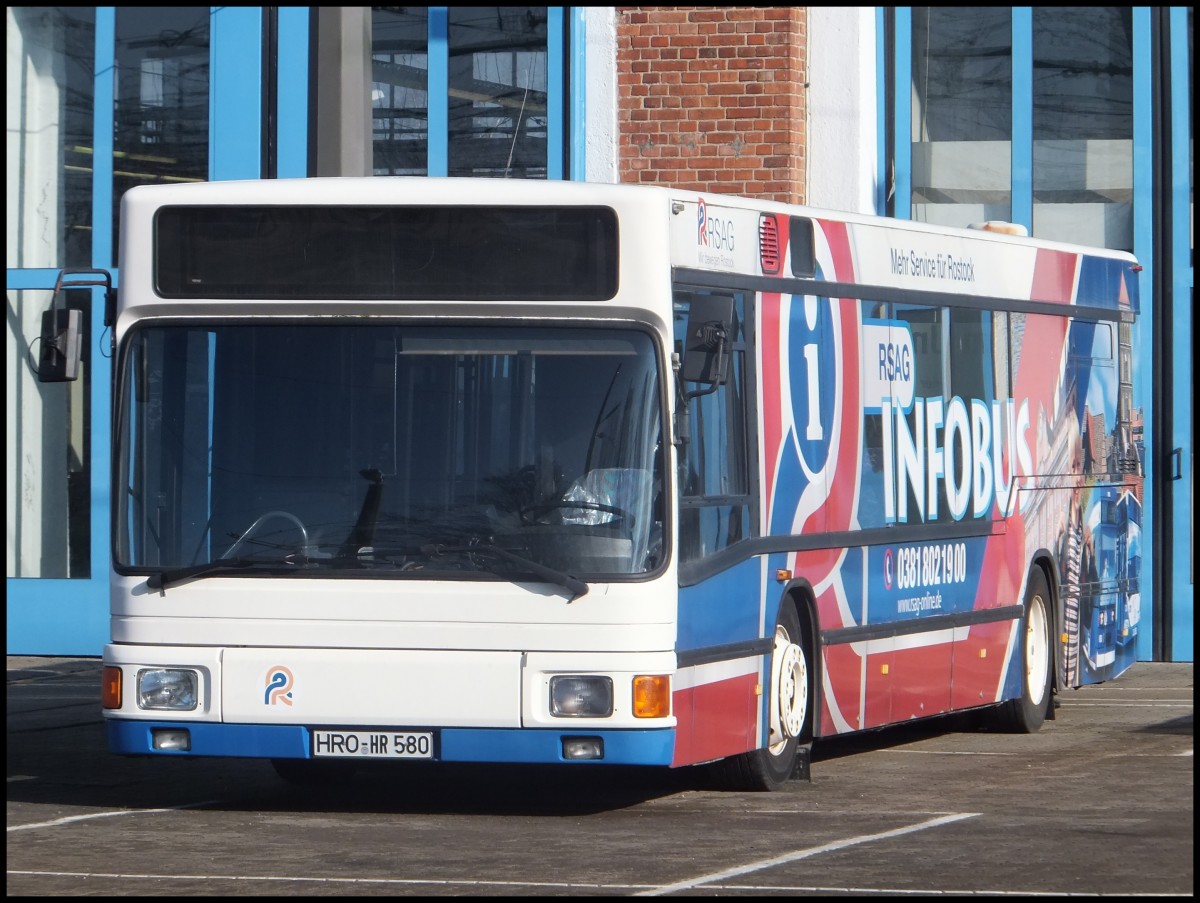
x,y
161,115
50,147
498,91
50,155
968,106
1083,125
961,114
101,99
488,72
1075,122
400,90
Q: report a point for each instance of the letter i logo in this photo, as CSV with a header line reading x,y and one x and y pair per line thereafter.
x,y
279,686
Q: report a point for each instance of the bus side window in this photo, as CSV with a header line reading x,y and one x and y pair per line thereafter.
x,y
714,482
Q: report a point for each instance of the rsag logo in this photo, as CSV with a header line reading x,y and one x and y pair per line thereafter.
x,y
278,686
713,232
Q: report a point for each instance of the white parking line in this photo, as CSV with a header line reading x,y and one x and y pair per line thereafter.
x,y
295,879
805,854
776,890
1147,704
66,820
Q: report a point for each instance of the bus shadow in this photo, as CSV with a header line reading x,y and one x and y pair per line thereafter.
x,y
506,789
1183,725
831,748
67,766
81,776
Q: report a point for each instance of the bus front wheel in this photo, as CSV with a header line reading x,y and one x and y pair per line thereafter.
x,y
1026,713
790,714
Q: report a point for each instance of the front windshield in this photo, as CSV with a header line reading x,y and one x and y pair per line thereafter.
x,y
390,449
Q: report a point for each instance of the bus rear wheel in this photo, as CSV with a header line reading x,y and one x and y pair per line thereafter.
x,y
790,714
1026,713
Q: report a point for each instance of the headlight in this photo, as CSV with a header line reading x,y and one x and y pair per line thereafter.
x,y
173,689
581,697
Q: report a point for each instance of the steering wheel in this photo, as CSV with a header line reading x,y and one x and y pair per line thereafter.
x,y
533,514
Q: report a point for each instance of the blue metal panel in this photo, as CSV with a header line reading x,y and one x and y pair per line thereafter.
x,y
1021,147
235,93
649,747
1182,591
555,102
578,109
134,738
93,627
292,93
59,617
50,616
881,148
633,747
902,100
439,91
70,617
23,280
102,141
708,614
1143,330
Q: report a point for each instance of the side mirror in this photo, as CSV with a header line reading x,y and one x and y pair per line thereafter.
x,y
62,329
706,343
59,352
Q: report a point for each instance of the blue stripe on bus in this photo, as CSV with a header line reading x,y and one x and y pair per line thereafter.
x,y
271,741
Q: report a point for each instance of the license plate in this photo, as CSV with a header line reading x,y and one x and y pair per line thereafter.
x,y
372,744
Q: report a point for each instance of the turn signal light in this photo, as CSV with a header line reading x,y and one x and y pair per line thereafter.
x,y
110,688
651,696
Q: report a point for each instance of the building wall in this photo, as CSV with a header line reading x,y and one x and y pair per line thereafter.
x,y
774,102
843,110
711,98
600,114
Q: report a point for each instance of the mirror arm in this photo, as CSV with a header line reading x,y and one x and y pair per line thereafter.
x,y
683,420
62,327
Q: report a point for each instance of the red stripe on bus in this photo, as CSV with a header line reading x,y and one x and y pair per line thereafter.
x,y
716,720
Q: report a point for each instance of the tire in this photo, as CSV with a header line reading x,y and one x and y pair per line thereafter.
x,y
790,714
314,773
1026,713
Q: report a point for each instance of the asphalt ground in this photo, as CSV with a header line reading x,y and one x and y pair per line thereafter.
x,y
1099,802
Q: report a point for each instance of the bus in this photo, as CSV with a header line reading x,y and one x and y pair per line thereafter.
x,y
488,471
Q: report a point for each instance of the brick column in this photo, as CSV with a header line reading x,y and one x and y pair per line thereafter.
x,y
711,98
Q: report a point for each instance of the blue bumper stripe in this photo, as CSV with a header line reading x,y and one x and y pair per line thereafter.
x,y
634,747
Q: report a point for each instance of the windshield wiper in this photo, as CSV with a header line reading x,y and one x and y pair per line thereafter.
x,y
171,576
363,533
571,584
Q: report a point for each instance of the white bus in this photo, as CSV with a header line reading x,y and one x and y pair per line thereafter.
x,y
541,472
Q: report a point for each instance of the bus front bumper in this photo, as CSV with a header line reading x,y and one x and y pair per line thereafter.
x,y
268,741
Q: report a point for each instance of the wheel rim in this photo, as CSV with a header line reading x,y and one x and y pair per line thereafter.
x,y
1037,650
791,691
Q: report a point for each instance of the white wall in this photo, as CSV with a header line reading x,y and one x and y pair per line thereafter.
x,y
842,133
37,414
600,114
842,109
